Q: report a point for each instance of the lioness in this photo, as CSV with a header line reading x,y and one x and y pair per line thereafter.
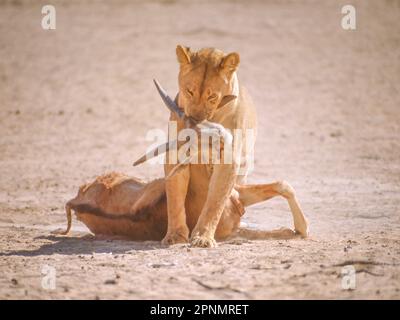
x,y
200,194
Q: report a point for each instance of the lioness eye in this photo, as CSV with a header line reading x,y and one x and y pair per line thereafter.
x,y
189,92
212,98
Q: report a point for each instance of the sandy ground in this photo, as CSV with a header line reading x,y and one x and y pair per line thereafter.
x,y
78,101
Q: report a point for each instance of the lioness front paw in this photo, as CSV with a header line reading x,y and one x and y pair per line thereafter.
x,y
203,242
176,236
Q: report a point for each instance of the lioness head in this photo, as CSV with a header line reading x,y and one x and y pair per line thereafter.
x,y
207,81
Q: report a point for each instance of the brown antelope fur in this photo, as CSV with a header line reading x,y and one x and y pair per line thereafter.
x,y
116,205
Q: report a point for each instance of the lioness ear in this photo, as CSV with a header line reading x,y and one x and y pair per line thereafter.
x,y
183,54
230,63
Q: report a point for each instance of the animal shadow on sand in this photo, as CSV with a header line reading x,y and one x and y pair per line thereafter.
x,y
89,244
84,245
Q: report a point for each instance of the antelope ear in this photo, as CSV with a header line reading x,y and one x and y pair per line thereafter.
x,y
226,99
230,63
183,54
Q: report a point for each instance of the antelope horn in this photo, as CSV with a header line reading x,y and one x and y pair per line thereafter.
x,y
171,105
155,152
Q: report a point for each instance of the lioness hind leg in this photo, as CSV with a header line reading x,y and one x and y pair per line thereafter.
x,y
255,234
251,194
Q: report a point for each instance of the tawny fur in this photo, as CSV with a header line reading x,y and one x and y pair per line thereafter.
x,y
198,195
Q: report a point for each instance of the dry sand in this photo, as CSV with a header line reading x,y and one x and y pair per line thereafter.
x,y
78,101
